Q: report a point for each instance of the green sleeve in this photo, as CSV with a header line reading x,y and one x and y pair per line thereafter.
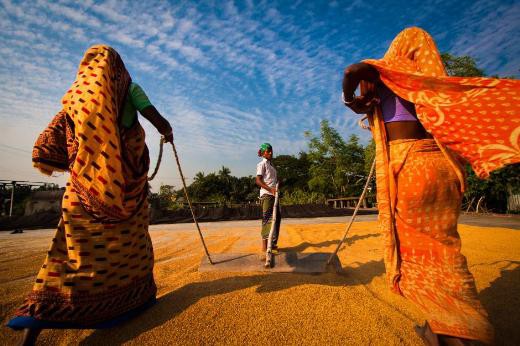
x,y
138,97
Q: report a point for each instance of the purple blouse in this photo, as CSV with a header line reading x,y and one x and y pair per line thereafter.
x,y
394,107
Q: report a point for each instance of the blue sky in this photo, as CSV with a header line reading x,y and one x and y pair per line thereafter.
x,y
229,75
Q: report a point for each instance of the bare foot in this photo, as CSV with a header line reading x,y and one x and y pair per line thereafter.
x,y
432,339
425,333
453,341
29,336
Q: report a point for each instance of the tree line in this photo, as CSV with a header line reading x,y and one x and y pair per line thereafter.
x,y
332,167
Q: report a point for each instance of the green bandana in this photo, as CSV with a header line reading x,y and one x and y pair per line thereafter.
x,y
265,147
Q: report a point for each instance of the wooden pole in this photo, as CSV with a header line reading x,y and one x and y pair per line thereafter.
x,y
372,169
12,199
269,252
189,203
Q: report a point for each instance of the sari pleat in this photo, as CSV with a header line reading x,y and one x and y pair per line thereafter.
x,y
433,272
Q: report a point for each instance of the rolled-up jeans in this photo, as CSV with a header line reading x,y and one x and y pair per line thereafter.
x,y
267,202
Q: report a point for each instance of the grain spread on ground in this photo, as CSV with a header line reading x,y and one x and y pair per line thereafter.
x,y
253,308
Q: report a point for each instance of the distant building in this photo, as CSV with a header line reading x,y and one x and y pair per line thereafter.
x,y
44,201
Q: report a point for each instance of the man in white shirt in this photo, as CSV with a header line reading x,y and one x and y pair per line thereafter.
x,y
266,179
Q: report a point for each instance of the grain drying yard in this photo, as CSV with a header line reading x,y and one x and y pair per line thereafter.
x,y
353,307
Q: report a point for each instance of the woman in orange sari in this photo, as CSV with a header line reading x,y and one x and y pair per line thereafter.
x,y
99,269
425,124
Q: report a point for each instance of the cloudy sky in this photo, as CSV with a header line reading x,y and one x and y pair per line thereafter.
x,y
229,75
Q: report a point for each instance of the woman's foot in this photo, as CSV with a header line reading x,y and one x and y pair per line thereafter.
x,y
29,336
426,334
432,339
446,340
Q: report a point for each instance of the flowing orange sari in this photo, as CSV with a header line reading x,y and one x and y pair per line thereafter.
x,y
99,267
420,182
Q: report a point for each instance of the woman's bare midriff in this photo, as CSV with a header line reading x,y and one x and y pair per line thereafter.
x,y
405,130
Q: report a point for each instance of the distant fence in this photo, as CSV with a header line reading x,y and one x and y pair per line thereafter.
x,y
252,212
204,214
351,202
513,203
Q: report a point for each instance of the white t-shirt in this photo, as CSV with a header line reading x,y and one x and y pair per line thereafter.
x,y
265,169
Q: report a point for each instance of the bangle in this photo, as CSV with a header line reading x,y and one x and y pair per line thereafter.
x,y
347,103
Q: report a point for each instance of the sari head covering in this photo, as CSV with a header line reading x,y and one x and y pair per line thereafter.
x,y
263,148
475,117
88,127
99,269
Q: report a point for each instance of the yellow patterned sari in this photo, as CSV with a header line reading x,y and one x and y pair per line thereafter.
x,y
420,182
98,270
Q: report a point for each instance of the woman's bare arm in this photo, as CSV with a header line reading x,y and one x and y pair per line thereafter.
x,y
161,124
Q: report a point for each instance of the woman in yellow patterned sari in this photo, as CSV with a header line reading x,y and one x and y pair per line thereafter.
x,y
425,124
98,271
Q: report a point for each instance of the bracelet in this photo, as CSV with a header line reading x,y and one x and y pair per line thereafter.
x,y
347,103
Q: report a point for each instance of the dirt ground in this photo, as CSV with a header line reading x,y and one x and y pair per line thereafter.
x,y
353,308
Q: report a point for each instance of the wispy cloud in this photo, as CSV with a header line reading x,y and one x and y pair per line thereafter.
x,y
486,26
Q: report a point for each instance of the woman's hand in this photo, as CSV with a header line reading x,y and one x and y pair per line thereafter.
x,y
363,104
168,138
352,76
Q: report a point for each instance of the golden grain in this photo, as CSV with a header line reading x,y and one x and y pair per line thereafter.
x,y
355,308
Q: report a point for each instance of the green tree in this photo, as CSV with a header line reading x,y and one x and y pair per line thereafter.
x,y
225,181
243,190
461,66
224,173
222,187
167,196
293,171
355,163
199,177
370,154
495,189
336,167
